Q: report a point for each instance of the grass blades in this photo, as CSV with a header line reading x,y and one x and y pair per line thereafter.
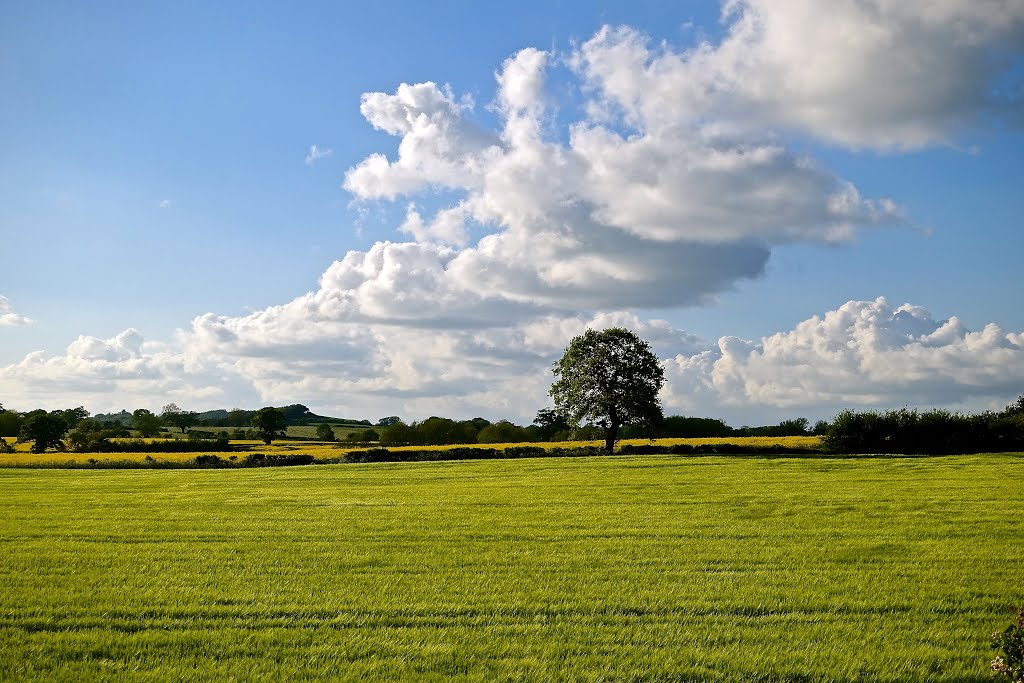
x,y
650,568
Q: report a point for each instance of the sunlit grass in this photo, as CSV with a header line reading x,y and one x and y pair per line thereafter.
x,y
656,568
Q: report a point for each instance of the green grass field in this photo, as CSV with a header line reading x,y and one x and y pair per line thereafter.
x,y
654,568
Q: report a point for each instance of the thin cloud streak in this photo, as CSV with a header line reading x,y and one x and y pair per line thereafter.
x,y
316,153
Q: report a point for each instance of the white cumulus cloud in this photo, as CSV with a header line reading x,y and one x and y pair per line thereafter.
x,y
880,74
9,317
114,373
600,217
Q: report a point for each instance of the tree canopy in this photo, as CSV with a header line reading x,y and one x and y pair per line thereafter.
x,y
72,416
44,430
145,422
269,423
549,422
173,416
609,378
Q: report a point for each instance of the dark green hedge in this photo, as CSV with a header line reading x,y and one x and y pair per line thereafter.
x,y
172,446
933,432
711,449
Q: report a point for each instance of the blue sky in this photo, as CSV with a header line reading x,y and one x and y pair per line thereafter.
x,y
153,173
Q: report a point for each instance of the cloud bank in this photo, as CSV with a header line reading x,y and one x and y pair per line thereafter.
x,y
863,354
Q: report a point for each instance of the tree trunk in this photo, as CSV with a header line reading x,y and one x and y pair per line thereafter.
x,y
611,431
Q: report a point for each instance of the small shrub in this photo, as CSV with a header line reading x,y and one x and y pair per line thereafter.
x,y
200,435
254,460
525,452
1010,664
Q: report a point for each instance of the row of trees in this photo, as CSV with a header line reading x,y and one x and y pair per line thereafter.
x,y
63,429
74,429
144,421
549,425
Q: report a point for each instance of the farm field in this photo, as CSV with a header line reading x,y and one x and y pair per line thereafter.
x,y
647,568
23,457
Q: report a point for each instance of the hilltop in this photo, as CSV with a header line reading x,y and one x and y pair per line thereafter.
x,y
296,415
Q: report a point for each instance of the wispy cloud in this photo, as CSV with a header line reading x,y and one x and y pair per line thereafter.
x,y
316,153
9,317
164,203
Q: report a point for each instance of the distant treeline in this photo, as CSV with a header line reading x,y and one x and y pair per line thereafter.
x,y
477,453
894,431
549,426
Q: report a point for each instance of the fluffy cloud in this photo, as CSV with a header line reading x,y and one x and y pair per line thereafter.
x,y
284,351
651,216
439,146
447,227
865,353
881,74
9,317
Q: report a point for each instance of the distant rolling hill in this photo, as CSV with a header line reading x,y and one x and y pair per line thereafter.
x,y
296,414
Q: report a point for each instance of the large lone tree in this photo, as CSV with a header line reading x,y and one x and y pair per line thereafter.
x,y
610,378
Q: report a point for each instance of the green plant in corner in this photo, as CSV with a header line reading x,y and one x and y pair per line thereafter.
x,y
1009,665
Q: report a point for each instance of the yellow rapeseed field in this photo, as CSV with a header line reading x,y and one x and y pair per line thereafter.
x,y
325,451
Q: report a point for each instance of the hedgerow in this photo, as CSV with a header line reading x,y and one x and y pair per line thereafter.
x,y
433,455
